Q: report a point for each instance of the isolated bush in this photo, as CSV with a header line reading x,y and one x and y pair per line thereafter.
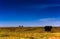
x,y
48,28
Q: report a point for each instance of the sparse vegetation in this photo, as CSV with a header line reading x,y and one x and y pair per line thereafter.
x,y
27,33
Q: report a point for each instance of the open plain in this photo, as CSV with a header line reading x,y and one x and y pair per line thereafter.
x,y
29,33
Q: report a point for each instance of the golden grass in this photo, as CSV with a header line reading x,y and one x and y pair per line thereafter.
x,y
9,37
29,33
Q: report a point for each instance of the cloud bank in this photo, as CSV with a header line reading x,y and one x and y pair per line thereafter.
x,y
50,21
40,22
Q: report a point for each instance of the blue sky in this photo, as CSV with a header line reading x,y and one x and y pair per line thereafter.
x,y
29,12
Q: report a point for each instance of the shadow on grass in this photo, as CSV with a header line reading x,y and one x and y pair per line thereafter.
x,y
4,35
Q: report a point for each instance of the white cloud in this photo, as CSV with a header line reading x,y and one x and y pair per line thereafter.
x,y
41,6
40,22
50,21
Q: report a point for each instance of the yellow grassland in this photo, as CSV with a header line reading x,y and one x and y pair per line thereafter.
x,y
29,33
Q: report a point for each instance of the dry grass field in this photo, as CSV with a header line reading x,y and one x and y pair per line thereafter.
x,y
29,33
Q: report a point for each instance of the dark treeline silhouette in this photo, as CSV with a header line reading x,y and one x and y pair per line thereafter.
x,y
20,26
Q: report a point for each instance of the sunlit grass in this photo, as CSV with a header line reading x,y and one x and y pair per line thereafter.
x,y
29,33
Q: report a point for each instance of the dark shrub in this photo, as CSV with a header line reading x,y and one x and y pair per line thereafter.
x,y
48,28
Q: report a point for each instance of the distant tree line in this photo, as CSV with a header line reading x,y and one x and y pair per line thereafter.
x,y
20,26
